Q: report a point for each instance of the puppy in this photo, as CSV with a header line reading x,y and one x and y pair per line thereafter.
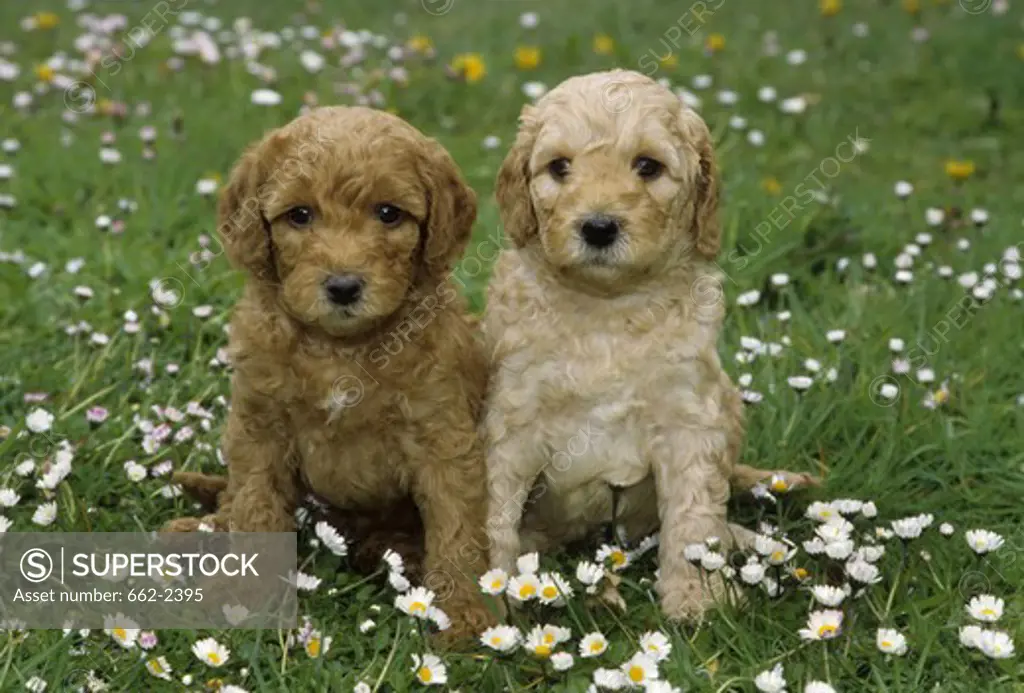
x,y
603,322
357,377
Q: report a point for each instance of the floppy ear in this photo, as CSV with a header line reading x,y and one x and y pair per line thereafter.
x,y
450,215
239,219
706,231
513,185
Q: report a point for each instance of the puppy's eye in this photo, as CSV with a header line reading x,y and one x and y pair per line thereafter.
x,y
389,215
299,217
648,168
559,168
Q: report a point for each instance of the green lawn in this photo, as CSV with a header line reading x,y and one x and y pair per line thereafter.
x,y
915,92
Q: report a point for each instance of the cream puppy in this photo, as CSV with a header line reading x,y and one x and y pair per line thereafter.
x,y
602,323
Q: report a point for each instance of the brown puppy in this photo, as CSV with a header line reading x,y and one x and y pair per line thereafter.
x,y
357,377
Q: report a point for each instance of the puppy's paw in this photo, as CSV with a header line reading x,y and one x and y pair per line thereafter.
x,y
688,597
209,523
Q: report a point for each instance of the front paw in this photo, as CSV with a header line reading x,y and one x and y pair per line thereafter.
x,y
688,594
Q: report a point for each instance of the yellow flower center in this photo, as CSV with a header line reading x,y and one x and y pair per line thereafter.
x,y
800,574
417,607
636,673
496,640
425,674
988,612
778,555
826,631
527,591
120,634
596,646
313,647
780,485
542,650
886,644
527,57
548,638
496,584
213,658
420,44
618,558
550,592
156,667
45,73
715,43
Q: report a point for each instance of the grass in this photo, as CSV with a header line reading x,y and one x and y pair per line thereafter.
x,y
955,96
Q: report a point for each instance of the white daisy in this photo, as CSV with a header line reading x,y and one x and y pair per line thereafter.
x,y
493,581
39,420
265,97
528,563
306,583
656,644
561,661
818,687
903,189
891,641
501,638
640,669
618,558
592,645
9,497
611,679
863,572
946,529
554,589
752,573
429,670
211,652
523,588
970,636
159,667
45,514
827,595
995,644
771,680
985,607
394,561
330,538
416,602
316,644
822,625
983,541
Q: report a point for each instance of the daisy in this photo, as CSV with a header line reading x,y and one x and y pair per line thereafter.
x,y
946,529
35,685
752,573
869,510
995,644
265,97
561,661
398,582
983,541
367,625
818,687
158,667
554,589
430,670
316,644
822,512
800,382
592,645
826,595
712,561
891,641
970,636
306,583
863,572
501,638
523,588
538,643
394,561
748,298
5,524
903,189
439,618
822,625
695,552
9,497
617,557
552,635
45,514
656,644
416,602
640,669
330,538
121,630
771,680
39,421
611,679
907,528
493,581
985,607
528,563
211,652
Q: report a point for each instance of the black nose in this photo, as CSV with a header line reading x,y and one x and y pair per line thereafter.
x,y
599,231
344,289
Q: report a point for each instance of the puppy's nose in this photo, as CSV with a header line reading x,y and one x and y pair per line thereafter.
x,y
344,289
599,230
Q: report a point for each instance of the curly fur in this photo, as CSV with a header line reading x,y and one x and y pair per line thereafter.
x,y
372,408
605,369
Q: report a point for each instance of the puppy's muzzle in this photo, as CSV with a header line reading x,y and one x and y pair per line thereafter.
x,y
600,231
344,289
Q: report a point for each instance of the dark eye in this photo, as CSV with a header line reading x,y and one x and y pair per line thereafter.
x,y
389,215
648,168
299,217
559,168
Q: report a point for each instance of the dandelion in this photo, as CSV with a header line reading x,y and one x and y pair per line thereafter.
x,y
771,680
501,638
429,670
985,607
158,667
527,57
592,645
656,644
470,67
603,44
330,538
715,43
830,8
640,669
494,581
416,602
822,625
891,641
211,652
959,170
983,541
